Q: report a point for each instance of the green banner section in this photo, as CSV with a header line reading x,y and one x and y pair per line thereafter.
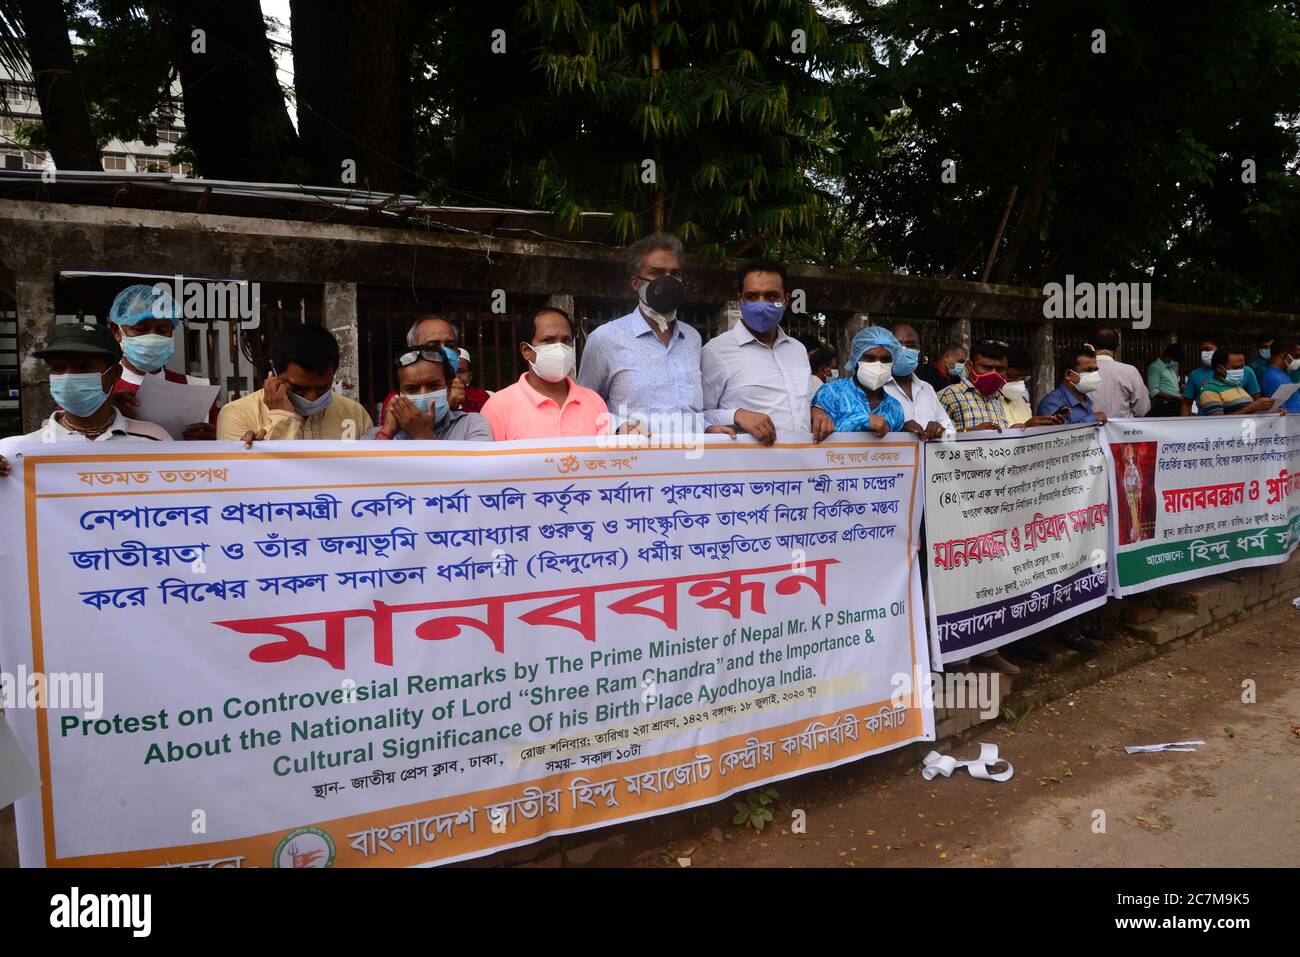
x,y
1139,565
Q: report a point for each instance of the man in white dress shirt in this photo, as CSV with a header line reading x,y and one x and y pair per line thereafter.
x,y
756,377
925,414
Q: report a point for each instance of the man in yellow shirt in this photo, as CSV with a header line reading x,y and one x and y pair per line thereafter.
x,y
298,400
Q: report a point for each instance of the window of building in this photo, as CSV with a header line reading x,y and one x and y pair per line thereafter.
x,y
114,162
13,161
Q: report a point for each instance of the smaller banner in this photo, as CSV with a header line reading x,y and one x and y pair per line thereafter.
x,y
1016,534
1200,496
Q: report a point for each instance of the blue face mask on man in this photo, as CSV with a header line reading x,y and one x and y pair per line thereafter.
x,y
308,409
148,353
435,400
81,393
762,317
905,363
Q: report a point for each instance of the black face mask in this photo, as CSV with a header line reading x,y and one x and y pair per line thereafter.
x,y
664,294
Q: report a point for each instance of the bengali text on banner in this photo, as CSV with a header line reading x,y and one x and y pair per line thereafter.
x,y
373,654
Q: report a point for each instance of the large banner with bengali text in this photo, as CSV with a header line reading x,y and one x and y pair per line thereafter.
x,y
1200,496
372,654
1016,534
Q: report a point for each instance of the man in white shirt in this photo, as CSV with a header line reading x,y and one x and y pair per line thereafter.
x,y
925,415
84,363
1123,393
755,376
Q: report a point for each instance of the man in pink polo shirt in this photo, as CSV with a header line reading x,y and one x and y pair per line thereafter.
x,y
546,403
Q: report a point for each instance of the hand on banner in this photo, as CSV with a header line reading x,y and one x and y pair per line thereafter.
x,y
199,432
720,430
879,426
633,427
1035,421
822,424
416,424
1101,417
984,426
756,424
250,437
5,468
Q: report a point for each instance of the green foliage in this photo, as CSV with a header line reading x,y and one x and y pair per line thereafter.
x,y
753,809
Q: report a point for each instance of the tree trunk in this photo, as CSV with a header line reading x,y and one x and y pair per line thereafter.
x,y
235,114
59,90
351,64
1027,224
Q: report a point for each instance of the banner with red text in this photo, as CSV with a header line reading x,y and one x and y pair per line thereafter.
x,y
373,654
1015,526
1199,496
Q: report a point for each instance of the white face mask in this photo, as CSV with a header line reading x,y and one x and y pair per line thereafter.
x,y
835,373
874,375
1088,381
1293,365
1016,390
1206,356
554,361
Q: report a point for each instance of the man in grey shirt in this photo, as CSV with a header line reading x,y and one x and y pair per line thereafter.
x,y
1123,393
419,410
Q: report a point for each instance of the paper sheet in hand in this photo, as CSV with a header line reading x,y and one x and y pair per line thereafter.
x,y
1282,393
173,405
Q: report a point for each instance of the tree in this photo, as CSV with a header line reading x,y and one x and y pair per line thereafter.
x,y
352,86
34,42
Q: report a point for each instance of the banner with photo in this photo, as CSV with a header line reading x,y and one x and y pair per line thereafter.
x,y
1200,496
1016,534
388,653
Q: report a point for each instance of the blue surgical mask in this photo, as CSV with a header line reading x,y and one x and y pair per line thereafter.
x,y
959,369
81,393
762,316
438,401
1235,376
148,353
905,362
1266,353
308,409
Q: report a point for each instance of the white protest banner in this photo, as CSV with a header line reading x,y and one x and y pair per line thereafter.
x,y
1015,525
387,653
1199,496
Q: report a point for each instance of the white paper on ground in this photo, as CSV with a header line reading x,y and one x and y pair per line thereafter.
x,y
173,405
17,778
1168,746
936,763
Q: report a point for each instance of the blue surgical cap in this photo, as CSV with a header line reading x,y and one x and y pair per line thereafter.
x,y
870,338
140,302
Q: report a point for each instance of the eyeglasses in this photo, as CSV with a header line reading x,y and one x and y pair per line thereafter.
x,y
429,355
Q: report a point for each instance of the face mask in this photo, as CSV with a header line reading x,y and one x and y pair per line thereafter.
x,y
1266,353
1234,376
1206,356
989,383
436,400
873,375
79,393
959,370
1172,363
762,316
554,361
835,373
906,362
148,353
1088,381
1293,365
308,409
1016,390
661,297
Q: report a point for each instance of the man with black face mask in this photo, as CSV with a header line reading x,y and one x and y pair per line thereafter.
x,y
646,365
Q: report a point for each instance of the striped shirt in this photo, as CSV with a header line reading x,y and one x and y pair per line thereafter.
x,y
968,407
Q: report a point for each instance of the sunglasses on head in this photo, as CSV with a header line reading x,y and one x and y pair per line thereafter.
x,y
429,355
